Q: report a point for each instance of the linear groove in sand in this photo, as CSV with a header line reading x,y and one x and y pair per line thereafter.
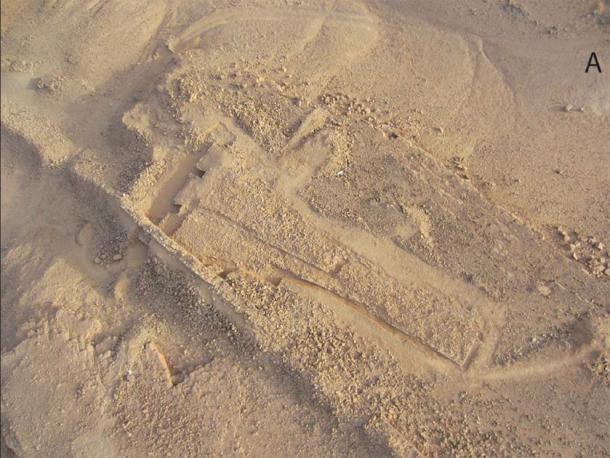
x,y
341,305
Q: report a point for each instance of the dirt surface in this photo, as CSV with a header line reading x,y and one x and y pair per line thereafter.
x,y
326,228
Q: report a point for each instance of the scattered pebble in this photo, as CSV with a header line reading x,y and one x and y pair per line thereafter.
x,y
588,250
544,290
569,108
598,269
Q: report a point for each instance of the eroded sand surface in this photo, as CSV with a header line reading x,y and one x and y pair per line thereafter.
x,y
335,228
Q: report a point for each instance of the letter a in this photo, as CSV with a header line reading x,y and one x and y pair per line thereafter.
x,y
593,62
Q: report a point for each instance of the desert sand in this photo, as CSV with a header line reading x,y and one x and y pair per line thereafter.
x,y
305,228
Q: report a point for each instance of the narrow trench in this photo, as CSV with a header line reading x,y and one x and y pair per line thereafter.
x,y
375,321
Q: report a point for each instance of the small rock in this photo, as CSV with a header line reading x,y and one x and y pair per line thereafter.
x,y
117,257
544,290
569,107
97,260
598,269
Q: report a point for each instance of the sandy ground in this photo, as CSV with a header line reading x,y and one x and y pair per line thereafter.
x,y
305,228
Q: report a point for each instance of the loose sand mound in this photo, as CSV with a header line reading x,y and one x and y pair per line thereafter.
x,y
326,228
